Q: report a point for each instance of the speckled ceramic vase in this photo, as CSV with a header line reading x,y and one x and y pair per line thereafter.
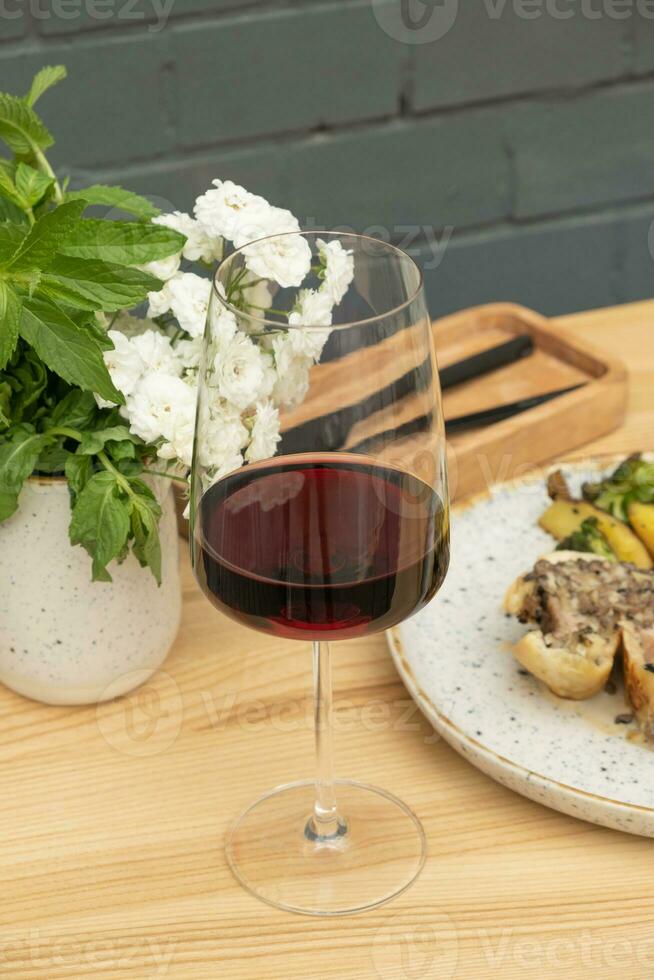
x,y
63,638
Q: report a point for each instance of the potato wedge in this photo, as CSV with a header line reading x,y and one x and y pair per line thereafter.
x,y
563,517
637,653
641,518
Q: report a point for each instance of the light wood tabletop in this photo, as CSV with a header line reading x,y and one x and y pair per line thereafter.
x,y
112,819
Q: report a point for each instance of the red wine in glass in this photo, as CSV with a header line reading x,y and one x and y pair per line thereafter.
x,y
327,547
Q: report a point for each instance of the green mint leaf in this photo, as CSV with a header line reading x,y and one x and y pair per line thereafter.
x,y
120,450
46,237
128,467
144,519
10,192
10,309
44,79
89,284
76,410
52,459
11,236
101,522
116,197
123,242
94,442
18,456
11,212
89,321
5,404
31,184
20,127
67,349
29,379
78,470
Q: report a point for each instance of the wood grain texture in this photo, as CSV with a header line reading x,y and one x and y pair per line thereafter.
x,y
112,819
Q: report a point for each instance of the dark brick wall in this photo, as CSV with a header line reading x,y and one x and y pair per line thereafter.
x,y
513,155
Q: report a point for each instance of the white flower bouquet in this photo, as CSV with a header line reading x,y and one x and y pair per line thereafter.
x,y
155,361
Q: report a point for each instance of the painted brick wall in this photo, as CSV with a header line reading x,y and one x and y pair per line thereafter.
x,y
513,154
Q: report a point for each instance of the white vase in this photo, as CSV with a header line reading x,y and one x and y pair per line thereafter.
x,y
63,638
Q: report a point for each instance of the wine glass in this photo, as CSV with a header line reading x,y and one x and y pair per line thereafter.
x,y
341,532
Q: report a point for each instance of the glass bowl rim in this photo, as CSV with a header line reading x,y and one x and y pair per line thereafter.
x,y
279,325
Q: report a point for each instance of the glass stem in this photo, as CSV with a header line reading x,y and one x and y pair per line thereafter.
x,y
325,822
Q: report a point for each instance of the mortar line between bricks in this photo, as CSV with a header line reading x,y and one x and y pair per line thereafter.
x,y
548,222
206,151
559,95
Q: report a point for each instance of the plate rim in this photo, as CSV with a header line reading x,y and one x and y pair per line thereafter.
x,y
440,721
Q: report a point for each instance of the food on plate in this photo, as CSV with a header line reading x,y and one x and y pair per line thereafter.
x,y
628,494
588,538
574,645
641,518
592,599
632,480
564,516
638,660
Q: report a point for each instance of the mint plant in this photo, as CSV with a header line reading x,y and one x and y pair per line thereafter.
x,y
61,274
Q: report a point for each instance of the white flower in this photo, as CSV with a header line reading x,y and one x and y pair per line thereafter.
x,y
124,362
189,353
257,299
162,406
222,437
285,258
339,268
219,211
199,243
222,321
135,357
158,302
265,433
180,444
292,370
243,372
156,352
163,269
187,297
313,307
308,343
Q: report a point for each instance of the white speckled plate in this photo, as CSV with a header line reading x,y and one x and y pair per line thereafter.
x,y
454,657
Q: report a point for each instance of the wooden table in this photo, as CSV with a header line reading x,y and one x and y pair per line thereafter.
x,y
112,819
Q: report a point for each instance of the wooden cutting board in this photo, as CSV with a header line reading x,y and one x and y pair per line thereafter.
x,y
509,449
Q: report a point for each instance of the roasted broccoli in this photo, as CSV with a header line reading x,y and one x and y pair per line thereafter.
x,y
632,480
588,537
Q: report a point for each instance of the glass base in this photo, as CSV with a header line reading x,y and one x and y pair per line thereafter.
x,y
377,851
